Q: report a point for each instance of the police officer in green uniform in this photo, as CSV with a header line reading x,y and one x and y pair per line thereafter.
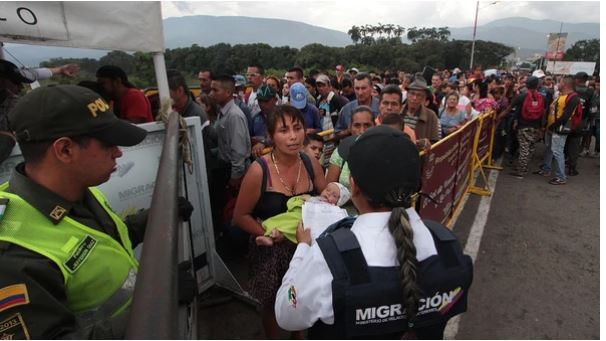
x,y
66,259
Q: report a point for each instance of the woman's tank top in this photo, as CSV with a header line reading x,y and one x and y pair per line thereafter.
x,y
273,203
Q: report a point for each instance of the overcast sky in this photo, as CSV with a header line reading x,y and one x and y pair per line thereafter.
x,y
341,15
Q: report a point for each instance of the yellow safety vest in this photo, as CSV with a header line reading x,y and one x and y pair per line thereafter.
x,y
99,272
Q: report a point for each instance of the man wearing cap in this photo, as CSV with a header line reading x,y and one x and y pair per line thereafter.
x,y
238,95
129,102
68,268
423,120
258,129
353,72
295,75
363,89
543,89
328,102
11,84
311,114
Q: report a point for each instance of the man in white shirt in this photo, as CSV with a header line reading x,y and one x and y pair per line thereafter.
x,y
254,76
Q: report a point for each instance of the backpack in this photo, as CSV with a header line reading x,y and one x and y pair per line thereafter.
x,y
589,110
577,116
533,106
574,121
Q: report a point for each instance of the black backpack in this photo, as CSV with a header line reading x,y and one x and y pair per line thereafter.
x,y
589,113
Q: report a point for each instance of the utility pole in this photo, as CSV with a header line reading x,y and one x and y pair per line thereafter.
x,y
473,41
475,27
544,60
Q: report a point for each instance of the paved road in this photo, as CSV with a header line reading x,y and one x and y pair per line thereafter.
x,y
536,273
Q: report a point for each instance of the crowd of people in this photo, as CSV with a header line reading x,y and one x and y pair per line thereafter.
x,y
263,154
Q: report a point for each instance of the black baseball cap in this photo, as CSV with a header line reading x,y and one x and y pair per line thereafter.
x,y
581,76
11,72
114,72
52,112
382,160
532,82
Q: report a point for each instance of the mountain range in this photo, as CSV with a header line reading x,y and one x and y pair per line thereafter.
x,y
527,35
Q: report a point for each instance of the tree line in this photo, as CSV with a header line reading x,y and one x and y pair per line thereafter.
x,y
233,59
585,51
371,34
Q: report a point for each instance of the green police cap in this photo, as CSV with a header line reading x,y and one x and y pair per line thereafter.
x,y
52,112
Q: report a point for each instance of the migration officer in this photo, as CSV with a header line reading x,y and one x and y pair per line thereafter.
x,y
68,269
385,273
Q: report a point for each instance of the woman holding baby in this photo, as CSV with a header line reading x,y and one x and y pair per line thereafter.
x,y
268,185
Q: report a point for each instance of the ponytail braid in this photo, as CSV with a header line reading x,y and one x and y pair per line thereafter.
x,y
400,229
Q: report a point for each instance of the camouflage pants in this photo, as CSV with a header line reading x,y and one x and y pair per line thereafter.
x,y
526,140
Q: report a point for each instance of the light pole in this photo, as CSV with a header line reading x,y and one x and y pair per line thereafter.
x,y
544,60
475,26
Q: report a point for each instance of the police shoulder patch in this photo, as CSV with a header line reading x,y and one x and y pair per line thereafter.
x,y
13,328
80,253
13,296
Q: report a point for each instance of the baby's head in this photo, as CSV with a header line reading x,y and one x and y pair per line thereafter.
x,y
335,194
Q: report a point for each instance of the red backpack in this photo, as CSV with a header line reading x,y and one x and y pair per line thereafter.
x,y
577,115
533,106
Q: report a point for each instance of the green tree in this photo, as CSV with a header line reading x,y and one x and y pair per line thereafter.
x,y
584,50
119,58
354,33
143,74
416,34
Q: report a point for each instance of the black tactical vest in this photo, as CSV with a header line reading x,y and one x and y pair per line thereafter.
x,y
368,301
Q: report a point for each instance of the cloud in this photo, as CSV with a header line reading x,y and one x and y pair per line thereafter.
x,y
341,15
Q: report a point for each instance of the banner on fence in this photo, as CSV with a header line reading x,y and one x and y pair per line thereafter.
x,y
438,177
484,140
570,68
467,135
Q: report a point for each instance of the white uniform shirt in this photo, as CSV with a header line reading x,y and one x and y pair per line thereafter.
x,y
253,104
305,295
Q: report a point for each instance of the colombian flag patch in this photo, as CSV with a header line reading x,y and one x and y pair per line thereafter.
x,y
13,296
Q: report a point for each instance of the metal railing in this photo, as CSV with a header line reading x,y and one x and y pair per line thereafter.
x,y
155,302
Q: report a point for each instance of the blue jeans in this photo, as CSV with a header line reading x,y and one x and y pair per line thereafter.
x,y
554,149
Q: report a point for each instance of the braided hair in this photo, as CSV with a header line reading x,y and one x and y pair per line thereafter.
x,y
399,226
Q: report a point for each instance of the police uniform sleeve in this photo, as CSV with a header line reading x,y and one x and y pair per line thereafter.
x,y
33,300
305,295
32,290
